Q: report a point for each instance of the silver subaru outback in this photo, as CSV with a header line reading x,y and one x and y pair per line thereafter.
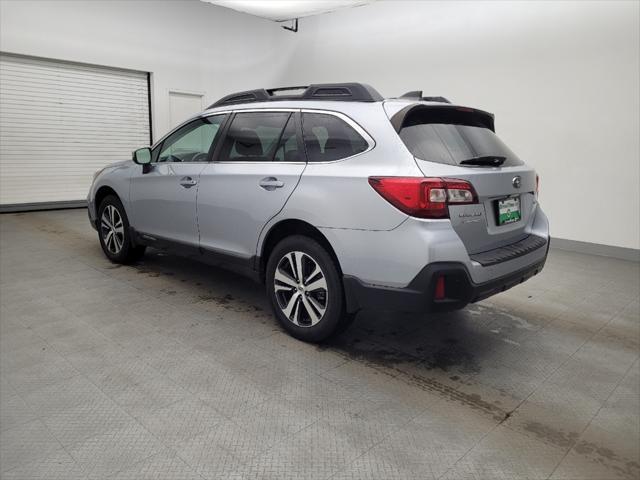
x,y
335,198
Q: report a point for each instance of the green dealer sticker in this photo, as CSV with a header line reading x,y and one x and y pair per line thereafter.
x,y
508,210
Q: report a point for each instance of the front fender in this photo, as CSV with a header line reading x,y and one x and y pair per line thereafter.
x,y
116,177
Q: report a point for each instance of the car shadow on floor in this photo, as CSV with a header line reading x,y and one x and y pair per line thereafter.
x,y
454,343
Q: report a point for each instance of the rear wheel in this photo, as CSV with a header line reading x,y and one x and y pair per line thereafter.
x,y
113,230
305,289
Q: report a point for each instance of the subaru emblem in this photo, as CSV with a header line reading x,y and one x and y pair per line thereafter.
x,y
516,181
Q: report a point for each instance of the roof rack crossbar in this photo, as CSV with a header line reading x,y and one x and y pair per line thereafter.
x,y
352,92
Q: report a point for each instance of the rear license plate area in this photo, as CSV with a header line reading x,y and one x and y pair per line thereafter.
x,y
508,210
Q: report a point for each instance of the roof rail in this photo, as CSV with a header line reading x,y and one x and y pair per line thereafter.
x,y
346,92
418,95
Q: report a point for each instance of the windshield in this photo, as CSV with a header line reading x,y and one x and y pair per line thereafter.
x,y
453,138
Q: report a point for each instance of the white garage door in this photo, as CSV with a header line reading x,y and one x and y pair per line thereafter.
x,y
60,122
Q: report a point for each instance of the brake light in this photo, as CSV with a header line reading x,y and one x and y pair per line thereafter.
x,y
439,293
424,197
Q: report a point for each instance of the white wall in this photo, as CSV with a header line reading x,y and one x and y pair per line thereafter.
x,y
188,46
562,79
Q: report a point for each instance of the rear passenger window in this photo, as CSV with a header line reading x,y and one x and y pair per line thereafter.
x,y
253,137
327,137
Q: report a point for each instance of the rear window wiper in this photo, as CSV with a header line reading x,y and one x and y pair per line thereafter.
x,y
485,160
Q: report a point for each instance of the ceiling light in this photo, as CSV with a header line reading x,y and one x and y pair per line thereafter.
x,y
282,10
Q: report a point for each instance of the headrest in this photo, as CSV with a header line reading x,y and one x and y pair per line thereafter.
x,y
248,143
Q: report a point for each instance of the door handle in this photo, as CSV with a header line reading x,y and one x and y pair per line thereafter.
x,y
188,182
271,183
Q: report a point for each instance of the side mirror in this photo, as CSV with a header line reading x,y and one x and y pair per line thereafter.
x,y
142,156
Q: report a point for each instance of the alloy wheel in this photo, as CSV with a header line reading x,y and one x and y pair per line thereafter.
x,y
112,229
301,289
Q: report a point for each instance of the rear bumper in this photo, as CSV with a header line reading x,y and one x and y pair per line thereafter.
x,y
418,296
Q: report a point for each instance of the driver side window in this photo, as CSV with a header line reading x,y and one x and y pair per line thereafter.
x,y
190,143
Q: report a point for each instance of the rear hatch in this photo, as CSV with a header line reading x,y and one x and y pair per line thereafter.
x,y
457,142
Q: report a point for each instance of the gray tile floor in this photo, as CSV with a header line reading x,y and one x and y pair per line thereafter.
x,y
174,370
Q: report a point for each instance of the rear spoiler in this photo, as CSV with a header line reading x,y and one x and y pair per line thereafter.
x,y
417,94
398,120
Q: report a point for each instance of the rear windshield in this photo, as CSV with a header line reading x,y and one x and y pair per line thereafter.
x,y
452,136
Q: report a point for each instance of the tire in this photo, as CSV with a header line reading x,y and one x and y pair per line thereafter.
x,y
310,315
116,242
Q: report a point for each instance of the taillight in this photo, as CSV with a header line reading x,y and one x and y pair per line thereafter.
x,y
537,184
439,294
424,197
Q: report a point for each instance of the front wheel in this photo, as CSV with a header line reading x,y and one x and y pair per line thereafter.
x,y
113,230
305,289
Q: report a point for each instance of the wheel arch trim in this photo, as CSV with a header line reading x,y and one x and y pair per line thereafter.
x,y
282,229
